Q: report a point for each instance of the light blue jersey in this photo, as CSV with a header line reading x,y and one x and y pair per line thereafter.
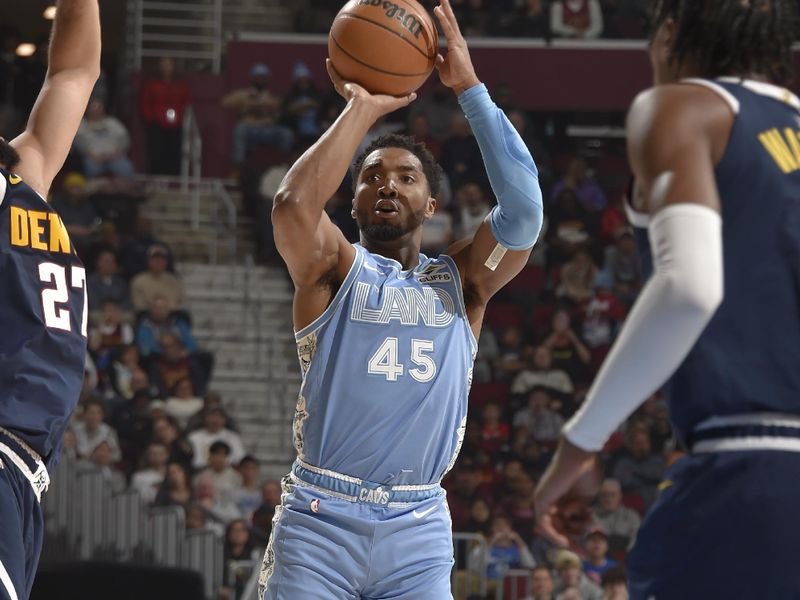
x,y
386,373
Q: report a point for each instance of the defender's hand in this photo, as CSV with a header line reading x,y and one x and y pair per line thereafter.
x,y
352,92
455,71
572,471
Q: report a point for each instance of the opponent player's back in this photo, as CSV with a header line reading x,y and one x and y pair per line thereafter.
x,y
746,360
43,316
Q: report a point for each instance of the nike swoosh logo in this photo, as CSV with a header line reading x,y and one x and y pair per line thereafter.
x,y
425,513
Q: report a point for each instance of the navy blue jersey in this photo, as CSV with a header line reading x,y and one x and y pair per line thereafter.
x,y
43,313
748,358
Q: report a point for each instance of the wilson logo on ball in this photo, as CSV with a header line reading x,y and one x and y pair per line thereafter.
x,y
393,11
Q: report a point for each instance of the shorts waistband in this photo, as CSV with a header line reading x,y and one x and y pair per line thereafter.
x,y
354,489
26,460
755,431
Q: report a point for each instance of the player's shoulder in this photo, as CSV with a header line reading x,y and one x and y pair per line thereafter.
x,y
678,107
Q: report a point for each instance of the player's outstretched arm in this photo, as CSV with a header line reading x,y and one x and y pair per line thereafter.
x,y
676,135
308,241
502,244
74,66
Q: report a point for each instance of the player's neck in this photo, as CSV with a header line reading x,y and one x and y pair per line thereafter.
x,y
404,251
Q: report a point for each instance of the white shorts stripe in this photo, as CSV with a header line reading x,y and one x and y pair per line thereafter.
x,y
7,583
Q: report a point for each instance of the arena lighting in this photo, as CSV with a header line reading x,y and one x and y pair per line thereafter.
x,y
50,12
26,49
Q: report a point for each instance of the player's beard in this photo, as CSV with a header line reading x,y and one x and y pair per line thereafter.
x,y
9,158
389,232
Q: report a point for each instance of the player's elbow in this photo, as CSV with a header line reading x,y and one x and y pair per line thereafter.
x,y
697,297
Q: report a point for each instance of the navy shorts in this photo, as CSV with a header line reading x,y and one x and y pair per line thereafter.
x,y
727,526
22,480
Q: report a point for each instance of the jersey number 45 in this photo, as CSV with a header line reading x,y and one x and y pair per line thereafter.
x,y
385,360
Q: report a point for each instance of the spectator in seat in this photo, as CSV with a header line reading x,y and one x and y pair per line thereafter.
x,y
156,281
102,459
134,254
519,507
147,480
123,369
495,433
615,585
539,419
176,490
473,206
183,403
579,19
619,522
133,423
214,431
197,519
259,116
109,331
175,363
166,431
505,550
419,127
461,156
542,584
238,546
511,358
211,400
530,20
106,283
623,266
488,352
163,103
90,431
247,496
540,373
262,517
76,211
302,105
569,230
637,468
480,519
569,567
596,561
579,180
577,278
439,107
219,474
159,321
103,141
568,350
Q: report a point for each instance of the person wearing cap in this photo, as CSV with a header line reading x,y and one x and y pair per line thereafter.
x,y
596,562
72,204
569,568
156,281
302,104
259,116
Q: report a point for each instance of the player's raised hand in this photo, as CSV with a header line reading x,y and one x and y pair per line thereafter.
x,y
352,92
455,71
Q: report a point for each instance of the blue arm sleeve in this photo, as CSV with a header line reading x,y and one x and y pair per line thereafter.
x,y
517,219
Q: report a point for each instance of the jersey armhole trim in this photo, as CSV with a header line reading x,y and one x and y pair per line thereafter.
x,y
3,187
637,219
729,98
451,264
355,268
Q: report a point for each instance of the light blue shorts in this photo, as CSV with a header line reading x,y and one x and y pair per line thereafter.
x,y
339,538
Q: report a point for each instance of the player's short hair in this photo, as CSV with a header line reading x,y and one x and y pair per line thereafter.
x,y
433,172
9,157
732,37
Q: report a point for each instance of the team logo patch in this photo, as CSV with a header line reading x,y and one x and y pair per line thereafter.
x,y
14,179
434,274
315,505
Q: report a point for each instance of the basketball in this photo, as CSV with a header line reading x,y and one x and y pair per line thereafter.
x,y
385,47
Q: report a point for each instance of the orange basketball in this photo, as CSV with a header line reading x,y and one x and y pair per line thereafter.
x,y
386,47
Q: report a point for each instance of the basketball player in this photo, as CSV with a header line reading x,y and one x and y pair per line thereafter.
x,y
42,295
715,150
386,338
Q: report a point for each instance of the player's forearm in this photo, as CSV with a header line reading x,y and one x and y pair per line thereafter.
x,y
517,219
316,176
75,44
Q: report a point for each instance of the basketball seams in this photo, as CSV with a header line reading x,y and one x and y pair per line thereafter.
x,y
348,15
369,66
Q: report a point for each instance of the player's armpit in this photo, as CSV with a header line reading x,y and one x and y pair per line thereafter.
x,y
676,135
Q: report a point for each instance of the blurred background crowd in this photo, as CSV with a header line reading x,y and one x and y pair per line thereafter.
x,y
149,418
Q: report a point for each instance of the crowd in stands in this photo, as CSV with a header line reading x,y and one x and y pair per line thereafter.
x,y
568,19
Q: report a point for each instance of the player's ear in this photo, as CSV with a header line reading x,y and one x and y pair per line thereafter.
x,y
430,209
